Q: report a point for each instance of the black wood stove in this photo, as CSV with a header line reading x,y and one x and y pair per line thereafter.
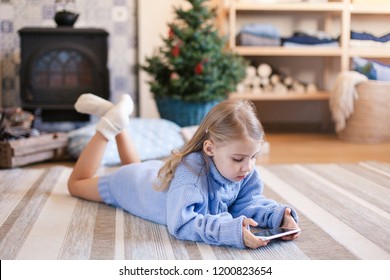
x,y
58,65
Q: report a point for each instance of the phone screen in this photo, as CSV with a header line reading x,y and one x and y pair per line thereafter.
x,y
272,233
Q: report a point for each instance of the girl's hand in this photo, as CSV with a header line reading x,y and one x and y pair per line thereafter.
x,y
250,240
289,222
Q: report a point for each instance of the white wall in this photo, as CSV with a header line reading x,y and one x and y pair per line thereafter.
x,y
153,19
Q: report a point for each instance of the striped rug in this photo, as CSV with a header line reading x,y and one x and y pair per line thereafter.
x,y
344,214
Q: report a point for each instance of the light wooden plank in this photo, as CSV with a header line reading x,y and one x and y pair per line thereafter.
x,y
275,96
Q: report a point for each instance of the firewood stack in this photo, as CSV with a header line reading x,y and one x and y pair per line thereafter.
x,y
15,124
20,144
266,80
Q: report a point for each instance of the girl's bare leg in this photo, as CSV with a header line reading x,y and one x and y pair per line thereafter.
x,y
126,149
82,182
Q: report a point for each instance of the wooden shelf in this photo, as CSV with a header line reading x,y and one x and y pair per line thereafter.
x,y
281,97
288,7
369,8
287,51
370,52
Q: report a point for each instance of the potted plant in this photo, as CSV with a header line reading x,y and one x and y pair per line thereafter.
x,y
192,71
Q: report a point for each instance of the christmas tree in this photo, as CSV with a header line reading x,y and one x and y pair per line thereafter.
x,y
193,64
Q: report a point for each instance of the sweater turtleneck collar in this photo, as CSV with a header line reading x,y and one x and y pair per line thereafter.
x,y
216,175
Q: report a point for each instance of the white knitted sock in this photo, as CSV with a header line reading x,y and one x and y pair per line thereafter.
x,y
117,118
92,104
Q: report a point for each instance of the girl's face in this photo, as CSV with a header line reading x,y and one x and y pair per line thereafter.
x,y
234,159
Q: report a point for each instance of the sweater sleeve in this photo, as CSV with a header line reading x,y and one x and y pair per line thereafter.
x,y
251,203
188,219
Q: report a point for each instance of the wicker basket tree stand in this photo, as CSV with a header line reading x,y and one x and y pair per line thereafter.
x,y
370,121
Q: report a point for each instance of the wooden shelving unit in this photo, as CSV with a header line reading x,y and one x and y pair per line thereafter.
x,y
341,11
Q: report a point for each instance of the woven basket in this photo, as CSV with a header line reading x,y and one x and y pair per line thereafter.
x,y
370,121
184,113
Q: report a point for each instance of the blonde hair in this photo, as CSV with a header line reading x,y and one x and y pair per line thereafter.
x,y
230,120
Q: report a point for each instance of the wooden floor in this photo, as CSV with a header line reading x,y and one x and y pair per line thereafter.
x,y
321,148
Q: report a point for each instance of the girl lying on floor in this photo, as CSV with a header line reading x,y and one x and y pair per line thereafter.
x,y
208,191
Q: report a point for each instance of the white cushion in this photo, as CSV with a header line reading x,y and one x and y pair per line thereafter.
x,y
153,138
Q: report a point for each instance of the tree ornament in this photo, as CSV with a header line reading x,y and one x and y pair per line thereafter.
x,y
174,76
176,50
199,68
171,33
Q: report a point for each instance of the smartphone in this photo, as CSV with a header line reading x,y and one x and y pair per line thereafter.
x,y
268,234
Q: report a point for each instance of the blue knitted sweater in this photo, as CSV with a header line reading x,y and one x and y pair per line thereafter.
x,y
200,205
